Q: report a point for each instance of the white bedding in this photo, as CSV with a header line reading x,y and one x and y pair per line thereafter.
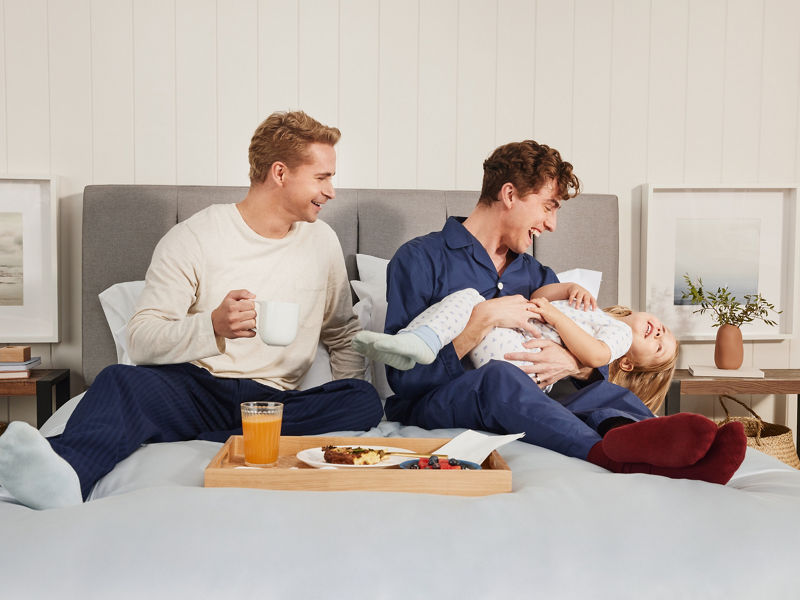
x,y
567,530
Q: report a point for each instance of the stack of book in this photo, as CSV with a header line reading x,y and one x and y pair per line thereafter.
x,y
16,362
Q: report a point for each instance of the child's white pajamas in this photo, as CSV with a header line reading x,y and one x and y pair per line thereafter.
x,y
448,318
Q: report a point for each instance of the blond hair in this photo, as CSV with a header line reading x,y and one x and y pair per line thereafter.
x,y
285,137
650,383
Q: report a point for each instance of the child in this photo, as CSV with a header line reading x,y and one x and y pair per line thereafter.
x,y
640,351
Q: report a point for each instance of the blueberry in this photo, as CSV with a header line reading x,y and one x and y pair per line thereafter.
x,y
453,462
414,465
433,460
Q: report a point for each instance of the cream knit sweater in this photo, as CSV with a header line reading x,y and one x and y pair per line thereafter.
x,y
213,252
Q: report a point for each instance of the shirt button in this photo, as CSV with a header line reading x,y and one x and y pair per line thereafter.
x,y
499,285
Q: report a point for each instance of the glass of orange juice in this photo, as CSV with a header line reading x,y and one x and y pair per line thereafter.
x,y
261,427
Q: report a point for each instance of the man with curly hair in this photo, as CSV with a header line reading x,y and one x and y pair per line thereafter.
x,y
524,186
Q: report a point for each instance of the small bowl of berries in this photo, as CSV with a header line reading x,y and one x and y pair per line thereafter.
x,y
435,463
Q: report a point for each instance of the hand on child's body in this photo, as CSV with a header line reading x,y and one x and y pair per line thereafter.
x,y
508,311
546,312
551,363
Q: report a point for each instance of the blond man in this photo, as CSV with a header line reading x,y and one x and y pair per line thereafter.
x,y
193,331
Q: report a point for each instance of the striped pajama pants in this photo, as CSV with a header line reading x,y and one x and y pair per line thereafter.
x,y
129,406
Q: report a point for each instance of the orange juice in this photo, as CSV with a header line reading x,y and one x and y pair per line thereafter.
x,y
262,435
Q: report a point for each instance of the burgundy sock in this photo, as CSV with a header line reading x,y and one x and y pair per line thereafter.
x,y
674,441
717,466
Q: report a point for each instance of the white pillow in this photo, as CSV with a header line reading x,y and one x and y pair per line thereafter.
x,y
119,305
371,310
584,277
372,270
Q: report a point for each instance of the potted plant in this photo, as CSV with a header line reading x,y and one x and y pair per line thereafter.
x,y
728,314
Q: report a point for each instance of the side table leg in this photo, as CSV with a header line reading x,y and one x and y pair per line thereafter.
x,y
797,426
44,401
62,390
672,403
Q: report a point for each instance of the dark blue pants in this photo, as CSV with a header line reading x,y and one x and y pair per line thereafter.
x,y
499,397
129,406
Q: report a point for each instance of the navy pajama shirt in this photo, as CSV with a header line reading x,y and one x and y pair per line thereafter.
x,y
498,397
129,406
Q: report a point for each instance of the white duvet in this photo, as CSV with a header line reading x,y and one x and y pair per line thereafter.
x,y
568,529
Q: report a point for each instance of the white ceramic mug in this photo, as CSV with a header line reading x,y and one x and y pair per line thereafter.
x,y
277,322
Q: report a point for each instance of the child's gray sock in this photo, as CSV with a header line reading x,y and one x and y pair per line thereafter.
x,y
401,351
32,472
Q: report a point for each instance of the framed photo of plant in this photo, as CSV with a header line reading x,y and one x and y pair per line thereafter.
x,y
738,239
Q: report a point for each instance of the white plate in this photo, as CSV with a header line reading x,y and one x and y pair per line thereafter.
x,y
314,457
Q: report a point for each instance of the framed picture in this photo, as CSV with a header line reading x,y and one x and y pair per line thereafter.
x,y
739,238
28,259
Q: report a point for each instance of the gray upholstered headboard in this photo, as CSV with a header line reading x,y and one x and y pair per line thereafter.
x,y
123,223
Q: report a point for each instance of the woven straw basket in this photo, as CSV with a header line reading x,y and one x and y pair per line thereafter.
x,y
769,438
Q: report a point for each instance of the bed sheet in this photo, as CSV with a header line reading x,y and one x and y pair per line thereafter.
x,y
568,529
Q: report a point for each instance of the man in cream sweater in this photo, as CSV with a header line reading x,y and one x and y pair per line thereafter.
x,y
193,334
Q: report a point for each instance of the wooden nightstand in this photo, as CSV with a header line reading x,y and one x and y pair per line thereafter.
x,y
775,381
41,384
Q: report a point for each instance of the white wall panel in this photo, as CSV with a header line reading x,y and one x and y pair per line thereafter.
x,y
592,91
438,95
359,43
112,91
552,116
627,146
277,56
70,95
154,91
743,77
779,99
666,119
797,147
3,112
196,130
27,87
69,50
705,92
477,79
397,113
237,87
516,71
318,67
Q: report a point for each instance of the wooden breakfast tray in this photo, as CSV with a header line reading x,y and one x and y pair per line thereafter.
x,y
493,478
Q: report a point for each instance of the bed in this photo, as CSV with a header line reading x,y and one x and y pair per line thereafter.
x,y
568,529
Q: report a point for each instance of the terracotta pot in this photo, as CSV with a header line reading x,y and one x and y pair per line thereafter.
x,y
729,348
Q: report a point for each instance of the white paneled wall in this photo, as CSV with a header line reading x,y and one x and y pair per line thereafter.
x,y
169,91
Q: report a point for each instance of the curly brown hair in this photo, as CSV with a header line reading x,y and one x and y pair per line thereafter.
x,y
527,165
285,137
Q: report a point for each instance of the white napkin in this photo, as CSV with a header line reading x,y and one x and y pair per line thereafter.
x,y
474,446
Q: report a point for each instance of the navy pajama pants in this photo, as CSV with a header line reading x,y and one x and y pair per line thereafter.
x,y
129,406
501,398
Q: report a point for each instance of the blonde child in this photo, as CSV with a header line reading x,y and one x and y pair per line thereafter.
x,y
641,352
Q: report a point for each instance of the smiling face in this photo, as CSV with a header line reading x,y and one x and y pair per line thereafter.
x,y
308,186
530,215
653,343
